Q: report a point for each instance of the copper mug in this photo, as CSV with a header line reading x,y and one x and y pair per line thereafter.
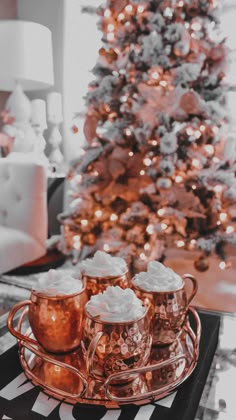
x,y
114,347
168,310
97,284
56,321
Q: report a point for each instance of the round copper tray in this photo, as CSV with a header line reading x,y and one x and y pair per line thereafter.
x,y
64,376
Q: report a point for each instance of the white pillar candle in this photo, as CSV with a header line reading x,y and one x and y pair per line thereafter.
x,y
54,108
38,113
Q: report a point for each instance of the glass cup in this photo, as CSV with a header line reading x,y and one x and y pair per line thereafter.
x,y
114,347
168,310
56,321
97,284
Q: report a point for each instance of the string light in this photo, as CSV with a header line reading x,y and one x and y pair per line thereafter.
x,y
223,217
216,159
147,246
128,132
189,131
140,9
202,128
168,12
218,188
181,3
229,229
197,134
196,26
163,83
76,242
129,8
194,187
123,98
84,222
107,13
209,149
192,244
155,75
110,27
222,265
178,179
98,213
196,163
106,247
164,226
143,256
161,212
121,16
147,162
150,229
180,244
110,36
131,154
113,217
142,172
154,142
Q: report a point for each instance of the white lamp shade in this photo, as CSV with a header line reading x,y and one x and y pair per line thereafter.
x,y
26,55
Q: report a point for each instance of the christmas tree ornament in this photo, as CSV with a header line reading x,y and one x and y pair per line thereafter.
x,y
201,263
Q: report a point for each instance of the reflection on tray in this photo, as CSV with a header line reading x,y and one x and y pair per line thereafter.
x,y
65,376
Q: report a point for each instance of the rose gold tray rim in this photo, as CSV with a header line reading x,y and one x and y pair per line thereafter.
x,y
112,403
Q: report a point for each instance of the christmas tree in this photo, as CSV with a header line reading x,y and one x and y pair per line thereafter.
x,y
159,167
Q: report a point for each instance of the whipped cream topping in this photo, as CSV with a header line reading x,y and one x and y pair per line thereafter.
x,y
58,282
103,264
116,305
157,278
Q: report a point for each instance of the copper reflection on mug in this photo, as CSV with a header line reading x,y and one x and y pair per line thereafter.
x,y
168,310
112,347
97,284
56,321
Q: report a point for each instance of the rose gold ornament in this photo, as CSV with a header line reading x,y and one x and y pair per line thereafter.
x,y
202,263
190,103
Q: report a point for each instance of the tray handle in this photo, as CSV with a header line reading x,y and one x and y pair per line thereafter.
x,y
151,395
55,391
10,321
195,338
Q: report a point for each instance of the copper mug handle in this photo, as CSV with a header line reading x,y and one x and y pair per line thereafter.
x,y
10,320
195,287
90,354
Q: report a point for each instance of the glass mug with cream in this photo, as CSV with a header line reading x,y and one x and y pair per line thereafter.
x,y
165,292
103,270
116,333
55,312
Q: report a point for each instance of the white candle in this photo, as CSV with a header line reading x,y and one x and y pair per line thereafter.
x,y
54,107
38,113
